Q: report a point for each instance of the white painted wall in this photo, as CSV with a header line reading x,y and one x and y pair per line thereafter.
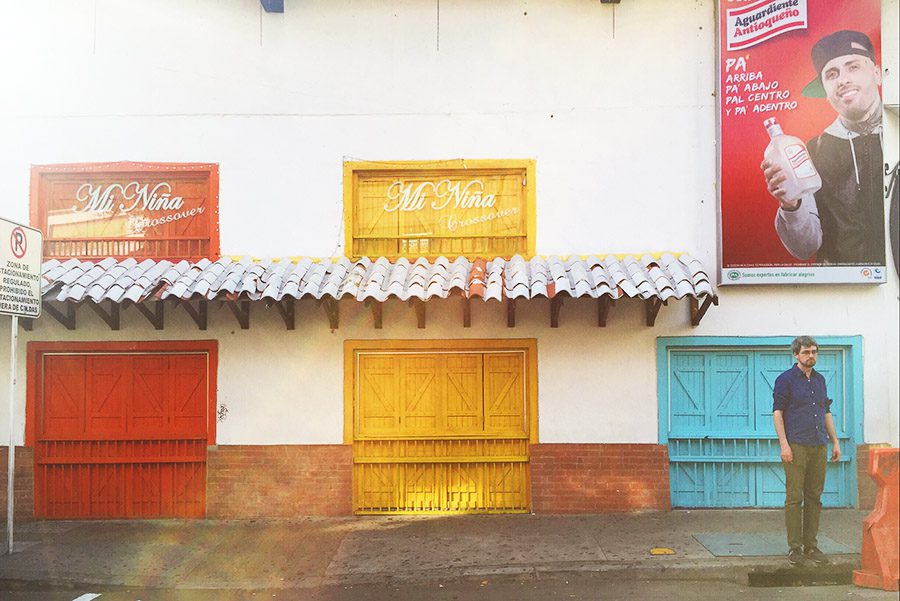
x,y
280,100
595,384
615,102
890,52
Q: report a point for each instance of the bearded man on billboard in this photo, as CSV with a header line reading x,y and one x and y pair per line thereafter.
x,y
843,223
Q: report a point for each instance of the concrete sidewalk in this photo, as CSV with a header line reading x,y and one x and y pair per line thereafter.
x,y
315,552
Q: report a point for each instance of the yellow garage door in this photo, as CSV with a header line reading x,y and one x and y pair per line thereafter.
x,y
440,432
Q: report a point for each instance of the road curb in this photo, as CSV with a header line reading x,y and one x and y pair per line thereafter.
x,y
738,570
831,574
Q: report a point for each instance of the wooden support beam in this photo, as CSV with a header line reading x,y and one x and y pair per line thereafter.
x,y
377,312
332,310
698,310
651,309
603,305
286,309
241,311
419,305
510,313
200,314
156,316
67,319
555,305
467,313
111,317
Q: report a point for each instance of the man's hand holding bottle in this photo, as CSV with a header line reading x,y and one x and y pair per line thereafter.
x,y
788,168
774,178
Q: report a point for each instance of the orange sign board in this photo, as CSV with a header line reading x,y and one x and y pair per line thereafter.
x,y
142,210
448,208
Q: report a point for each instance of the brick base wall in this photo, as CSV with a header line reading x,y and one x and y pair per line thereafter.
x,y
23,483
866,487
303,480
279,481
590,478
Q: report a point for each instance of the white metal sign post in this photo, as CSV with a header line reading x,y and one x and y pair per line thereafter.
x,y
20,294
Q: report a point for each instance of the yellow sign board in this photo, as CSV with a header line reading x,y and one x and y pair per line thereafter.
x,y
440,208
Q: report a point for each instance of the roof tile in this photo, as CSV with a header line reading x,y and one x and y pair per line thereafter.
x,y
646,277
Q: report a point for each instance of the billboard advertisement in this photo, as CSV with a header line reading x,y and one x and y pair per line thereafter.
x,y
801,174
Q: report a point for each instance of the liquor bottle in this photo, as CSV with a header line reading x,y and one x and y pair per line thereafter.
x,y
790,153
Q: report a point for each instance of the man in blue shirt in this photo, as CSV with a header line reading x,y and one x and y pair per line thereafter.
x,y
802,415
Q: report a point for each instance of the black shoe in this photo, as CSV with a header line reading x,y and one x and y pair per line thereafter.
x,y
795,557
815,556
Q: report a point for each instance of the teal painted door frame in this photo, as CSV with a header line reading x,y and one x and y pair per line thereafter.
x,y
715,417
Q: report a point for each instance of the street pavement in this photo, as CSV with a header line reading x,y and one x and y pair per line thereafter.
x,y
336,554
582,588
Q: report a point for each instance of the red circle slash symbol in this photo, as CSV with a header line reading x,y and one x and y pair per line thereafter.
x,y
18,242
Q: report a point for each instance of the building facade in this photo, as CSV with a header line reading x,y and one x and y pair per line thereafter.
x,y
409,257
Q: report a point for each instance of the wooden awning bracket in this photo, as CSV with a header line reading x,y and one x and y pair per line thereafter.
x,y
510,313
603,305
285,308
111,316
555,305
155,316
419,305
200,314
699,310
377,312
332,310
154,311
67,319
651,310
241,311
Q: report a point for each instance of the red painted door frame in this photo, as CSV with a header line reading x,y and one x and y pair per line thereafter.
x,y
34,374
152,468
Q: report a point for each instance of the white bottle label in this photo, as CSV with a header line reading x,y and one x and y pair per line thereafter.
x,y
799,160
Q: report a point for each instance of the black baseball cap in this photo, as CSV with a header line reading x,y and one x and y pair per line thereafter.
x,y
839,43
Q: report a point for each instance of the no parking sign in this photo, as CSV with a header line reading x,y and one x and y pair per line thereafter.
x,y
20,295
20,269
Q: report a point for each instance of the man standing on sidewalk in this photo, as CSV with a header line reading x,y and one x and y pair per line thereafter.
x,y
802,415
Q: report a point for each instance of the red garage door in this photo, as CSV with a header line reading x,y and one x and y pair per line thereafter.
x,y
121,435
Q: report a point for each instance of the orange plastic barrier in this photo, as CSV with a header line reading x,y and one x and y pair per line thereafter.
x,y
881,530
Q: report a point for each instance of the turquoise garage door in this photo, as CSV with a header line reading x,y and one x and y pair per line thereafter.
x,y
723,450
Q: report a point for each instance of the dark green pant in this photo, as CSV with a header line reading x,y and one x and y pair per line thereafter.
x,y
804,480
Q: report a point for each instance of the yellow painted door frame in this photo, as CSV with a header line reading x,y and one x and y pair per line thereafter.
x,y
440,426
